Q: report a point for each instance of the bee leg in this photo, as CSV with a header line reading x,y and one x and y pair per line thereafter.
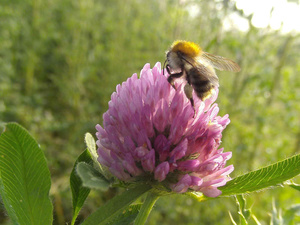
x,y
168,69
173,76
192,103
188,90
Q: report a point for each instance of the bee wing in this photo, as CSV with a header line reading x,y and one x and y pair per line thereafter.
x,y
209,74
203,70
220,62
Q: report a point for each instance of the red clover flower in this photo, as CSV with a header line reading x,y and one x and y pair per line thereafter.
x,y
150,132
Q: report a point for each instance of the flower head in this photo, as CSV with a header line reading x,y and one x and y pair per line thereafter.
x,y
150,131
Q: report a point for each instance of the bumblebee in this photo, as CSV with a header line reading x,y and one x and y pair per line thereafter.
x,y
187,59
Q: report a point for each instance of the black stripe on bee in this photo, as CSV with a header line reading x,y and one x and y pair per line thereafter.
x,y
200,83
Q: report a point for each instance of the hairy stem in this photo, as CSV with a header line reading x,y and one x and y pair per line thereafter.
x,y
146,208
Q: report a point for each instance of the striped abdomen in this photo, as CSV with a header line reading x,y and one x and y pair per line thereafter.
x,y
200,81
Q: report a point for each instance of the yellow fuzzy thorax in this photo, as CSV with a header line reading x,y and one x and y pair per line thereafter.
x,y
188,48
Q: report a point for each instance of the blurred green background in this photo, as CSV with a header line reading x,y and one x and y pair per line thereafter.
x,y
60,60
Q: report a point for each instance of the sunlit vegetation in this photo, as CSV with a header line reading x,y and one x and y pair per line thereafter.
x,y
61,60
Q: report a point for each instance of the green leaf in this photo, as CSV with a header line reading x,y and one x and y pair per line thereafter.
x,y
127,216
115,206
79,193
24,178
91,178
295,186
242,218
242,211
91,146
263,178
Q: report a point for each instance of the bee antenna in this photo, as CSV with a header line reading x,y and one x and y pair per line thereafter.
x,y
164,67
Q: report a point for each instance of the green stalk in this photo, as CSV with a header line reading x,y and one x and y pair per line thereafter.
x,y
146,208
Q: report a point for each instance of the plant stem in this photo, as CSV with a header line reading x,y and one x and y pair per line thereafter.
x,y
146,208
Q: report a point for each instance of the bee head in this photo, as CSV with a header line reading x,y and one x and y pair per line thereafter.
x,y
174,60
